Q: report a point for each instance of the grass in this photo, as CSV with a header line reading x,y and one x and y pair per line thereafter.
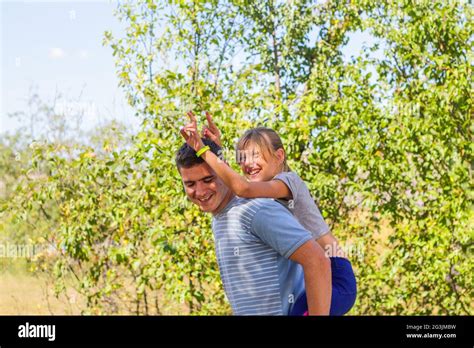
x,y
26,294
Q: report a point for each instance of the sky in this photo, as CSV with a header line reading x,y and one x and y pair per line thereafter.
x,y
56,46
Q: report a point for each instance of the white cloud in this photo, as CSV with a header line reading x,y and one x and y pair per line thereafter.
x,y
56,53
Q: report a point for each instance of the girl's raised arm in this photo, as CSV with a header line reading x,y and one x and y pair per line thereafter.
x,y
236,182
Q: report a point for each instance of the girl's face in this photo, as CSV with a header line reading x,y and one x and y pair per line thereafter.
x,y
259,166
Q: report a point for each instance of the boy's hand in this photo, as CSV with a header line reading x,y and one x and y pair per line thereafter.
x,y
190,133
211,131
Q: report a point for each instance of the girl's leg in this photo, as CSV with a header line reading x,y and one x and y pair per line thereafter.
x,y
300,306
344,287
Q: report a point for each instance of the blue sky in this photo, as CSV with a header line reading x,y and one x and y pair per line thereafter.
x,y
56,46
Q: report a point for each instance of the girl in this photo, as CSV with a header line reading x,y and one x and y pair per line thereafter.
x,y
262,159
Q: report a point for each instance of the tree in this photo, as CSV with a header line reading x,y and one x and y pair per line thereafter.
x,y
384,144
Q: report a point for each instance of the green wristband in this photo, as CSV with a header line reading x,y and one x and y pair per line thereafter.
x,y
202,150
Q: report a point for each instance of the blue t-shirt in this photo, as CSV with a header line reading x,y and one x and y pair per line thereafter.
x,y
254,239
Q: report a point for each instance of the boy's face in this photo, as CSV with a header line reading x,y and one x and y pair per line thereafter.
x,y
204,188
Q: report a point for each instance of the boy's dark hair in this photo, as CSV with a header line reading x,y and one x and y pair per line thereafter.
x,y
186,156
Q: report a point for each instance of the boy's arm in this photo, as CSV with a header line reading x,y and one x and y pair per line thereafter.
x,y
278,228
317,276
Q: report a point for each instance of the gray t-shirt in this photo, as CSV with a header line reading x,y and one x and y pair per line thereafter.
x,y
302,204
254,239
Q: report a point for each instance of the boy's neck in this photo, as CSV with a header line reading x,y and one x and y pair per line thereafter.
x,y
228,197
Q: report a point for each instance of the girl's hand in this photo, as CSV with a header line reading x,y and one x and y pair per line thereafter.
x,y
211,131
190,133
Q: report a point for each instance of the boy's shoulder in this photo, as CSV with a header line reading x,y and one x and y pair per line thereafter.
x,y
251,206
250,203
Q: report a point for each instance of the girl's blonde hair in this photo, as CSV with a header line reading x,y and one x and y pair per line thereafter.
x,y
266,139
